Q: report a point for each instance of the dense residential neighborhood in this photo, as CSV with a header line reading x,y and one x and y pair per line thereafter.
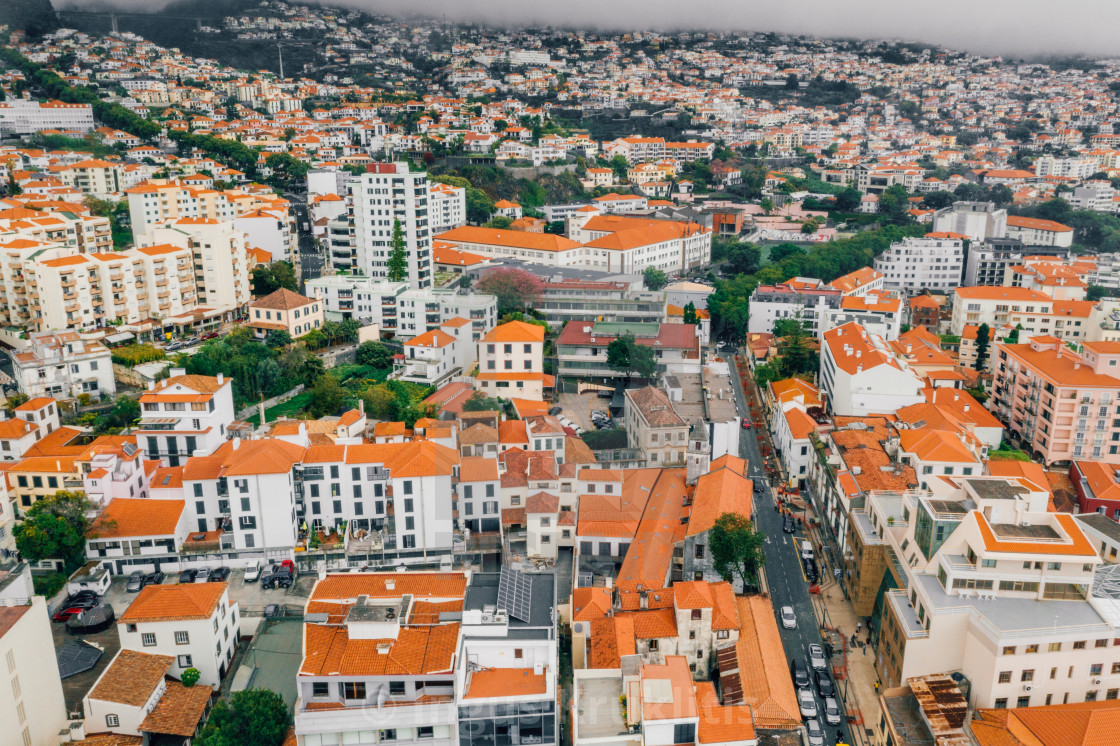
x,y
379,380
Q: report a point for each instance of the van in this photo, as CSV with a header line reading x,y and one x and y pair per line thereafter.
x,y
806,550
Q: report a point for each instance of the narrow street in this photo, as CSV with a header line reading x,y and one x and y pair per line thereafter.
x,y
784,573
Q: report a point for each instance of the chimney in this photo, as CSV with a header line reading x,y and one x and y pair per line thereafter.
x,y
390,584
260,410
151,385
362,407
236,443
221,379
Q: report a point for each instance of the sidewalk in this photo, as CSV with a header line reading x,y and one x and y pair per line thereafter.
x,y
860,660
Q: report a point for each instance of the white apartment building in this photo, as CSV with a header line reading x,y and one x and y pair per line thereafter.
x,y
53,231
997,306
33,709
933,262
428,308
23,117
996,587
435,356
90,290
156,201
95,177
272,230
979,221
221,259
1037,232
63,365
182,415
195,623
137,533
386,193
860,375
33,420
806,299
511,361
447,207
428,678
1098,196
1073,168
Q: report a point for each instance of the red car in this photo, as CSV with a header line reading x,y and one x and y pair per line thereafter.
x,y
290,565
68,611
746,424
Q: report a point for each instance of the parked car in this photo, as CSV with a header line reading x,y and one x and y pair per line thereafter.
x,y
553,411
788,525
800,674
80,596
272,610
807,703
135,582
831,711
605,394
817,661
253,572
190,341
824,684
172,346
73,608
277,576
217,574
789,619
154,578
210,335
188,576
816,735
811,570
806,550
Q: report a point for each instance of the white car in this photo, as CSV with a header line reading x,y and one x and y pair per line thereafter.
x,y
789,619
253,572
831,711
817,660
807,703
816,735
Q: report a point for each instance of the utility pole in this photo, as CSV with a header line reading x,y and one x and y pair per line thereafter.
x,y
280,51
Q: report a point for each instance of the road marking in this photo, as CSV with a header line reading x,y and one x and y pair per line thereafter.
x,y
797,556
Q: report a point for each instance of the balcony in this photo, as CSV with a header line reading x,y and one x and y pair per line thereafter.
x,y
906,615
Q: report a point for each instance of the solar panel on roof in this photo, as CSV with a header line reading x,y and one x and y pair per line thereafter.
x,y
515,592
129,449
76,657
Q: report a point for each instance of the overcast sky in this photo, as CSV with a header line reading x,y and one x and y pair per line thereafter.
x,y
1008,27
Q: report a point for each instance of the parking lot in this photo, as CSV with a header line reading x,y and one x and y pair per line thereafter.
x,y
251,598
578,407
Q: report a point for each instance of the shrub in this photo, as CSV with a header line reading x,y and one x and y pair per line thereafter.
x,y
137,354
190,677
48,585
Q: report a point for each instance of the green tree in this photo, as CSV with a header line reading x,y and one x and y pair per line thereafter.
x,y
498,222
767,205
983,338
619,354
375,355
744,258
793,348
809,227
690,316
655,279
1096,292
398,259
327,397
781,251
315,339
643,361
277,338
252,716
737,549
55,528
268,278
894,204
848,199
480,402
125,412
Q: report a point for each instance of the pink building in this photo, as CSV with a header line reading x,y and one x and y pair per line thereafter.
x,y
1062,404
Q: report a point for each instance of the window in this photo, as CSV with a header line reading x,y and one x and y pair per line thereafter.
x,y
148,639
396,688
408,487
387,735
697,615
1023,702
353,690
112,721
653,645
1095,669
1116,668
425,731
699,552
182,638
723,634
320,689
1054,647
1009,650
184,661
1032,648
130,628
1028,675
1001,703
1101,644
1005,677
1079,645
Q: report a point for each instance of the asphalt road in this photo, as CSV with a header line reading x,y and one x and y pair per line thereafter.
x,y
788,585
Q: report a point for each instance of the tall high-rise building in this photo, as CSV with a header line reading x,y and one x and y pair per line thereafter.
x,y
385,193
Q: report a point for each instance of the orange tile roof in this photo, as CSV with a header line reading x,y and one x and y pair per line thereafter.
x,y
165,603
505,682
1075,543
478,469
127,517
722,490
762,669
590,603
328,651
682,704
131,678
721,723
347,586
515,331
179,711
611,639
1073,724
474,235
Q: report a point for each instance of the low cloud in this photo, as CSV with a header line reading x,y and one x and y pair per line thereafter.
x,y
1030,28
